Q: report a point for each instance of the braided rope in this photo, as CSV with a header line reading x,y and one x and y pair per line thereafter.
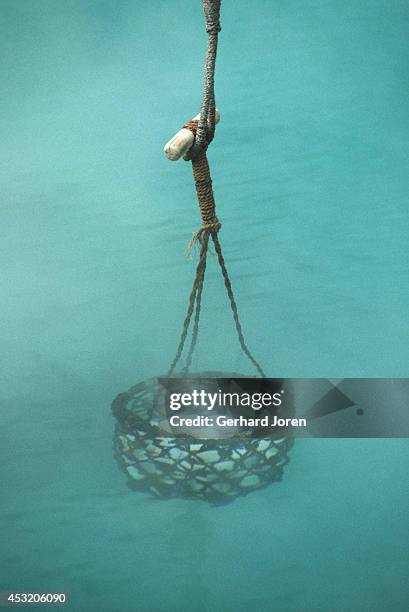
x,y
199,291
204,190
206,126
233,305
203,131
200,270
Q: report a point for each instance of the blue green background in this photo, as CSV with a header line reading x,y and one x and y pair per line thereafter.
x,y
311,173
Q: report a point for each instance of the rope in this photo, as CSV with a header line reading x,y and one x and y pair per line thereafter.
x,y
199,291
206,126
200,270
233,305
203,131
207,205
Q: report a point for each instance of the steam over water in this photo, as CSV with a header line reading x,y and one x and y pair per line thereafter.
x,y
311,169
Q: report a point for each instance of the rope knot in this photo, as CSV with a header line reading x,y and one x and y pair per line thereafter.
x,y
192,126
213,27
207,138
207,228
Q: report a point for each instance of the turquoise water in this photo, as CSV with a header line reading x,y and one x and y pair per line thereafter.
x,y
311,172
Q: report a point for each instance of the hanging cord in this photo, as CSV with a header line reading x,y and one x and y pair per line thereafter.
x,y
206,126
203,131
197,288
233,305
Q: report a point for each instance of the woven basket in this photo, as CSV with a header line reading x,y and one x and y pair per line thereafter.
x,y
209,469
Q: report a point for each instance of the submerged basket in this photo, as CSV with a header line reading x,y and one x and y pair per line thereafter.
x,y
168,466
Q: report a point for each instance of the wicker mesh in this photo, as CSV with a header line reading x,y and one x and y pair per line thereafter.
x,y
210,469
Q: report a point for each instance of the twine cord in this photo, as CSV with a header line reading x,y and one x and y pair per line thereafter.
x,y
203,131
